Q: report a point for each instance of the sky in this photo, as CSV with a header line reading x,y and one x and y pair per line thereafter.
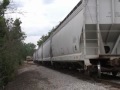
x,y
40,16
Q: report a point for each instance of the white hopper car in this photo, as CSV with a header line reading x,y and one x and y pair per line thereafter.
x,y
88,38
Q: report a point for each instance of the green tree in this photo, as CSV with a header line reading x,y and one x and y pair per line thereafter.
x,y
11,50
29,49
45,37
11,45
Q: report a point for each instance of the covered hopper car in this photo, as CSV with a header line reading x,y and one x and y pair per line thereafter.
x,y
88,38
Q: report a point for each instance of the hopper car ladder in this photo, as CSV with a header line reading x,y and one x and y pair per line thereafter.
x,y
97,32
96,46
86,40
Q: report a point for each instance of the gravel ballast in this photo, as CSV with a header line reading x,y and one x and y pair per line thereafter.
x,y
33,77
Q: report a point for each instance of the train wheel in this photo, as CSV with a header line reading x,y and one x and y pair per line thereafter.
x,y
33,61
114,73
88,71
51,63
99,70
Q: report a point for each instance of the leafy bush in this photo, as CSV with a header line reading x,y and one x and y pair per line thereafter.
x,y
11,45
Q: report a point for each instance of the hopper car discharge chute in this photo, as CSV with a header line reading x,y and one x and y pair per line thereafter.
x,y
88,38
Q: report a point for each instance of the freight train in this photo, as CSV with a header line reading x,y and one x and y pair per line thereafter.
x,y
88,38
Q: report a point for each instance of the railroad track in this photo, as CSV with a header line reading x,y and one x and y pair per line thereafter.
x,y
106,79
109,80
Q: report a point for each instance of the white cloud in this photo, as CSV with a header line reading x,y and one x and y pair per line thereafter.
x,y
42,15
48,1
32,39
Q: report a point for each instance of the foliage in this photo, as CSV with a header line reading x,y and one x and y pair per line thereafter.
x,y
5,3
11,45
11,50
45,37
3,6
29,49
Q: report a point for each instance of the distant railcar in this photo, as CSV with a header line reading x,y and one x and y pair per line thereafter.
x,y
29,58
88,38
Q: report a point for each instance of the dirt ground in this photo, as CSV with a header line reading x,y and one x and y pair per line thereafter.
x,y
27,78
34,77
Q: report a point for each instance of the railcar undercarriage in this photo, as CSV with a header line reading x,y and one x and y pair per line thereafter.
x,y
105,63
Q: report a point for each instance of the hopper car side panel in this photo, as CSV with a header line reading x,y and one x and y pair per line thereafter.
x,y
66,42
37,54
40,57
117,11
46,51
34,56
108,11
